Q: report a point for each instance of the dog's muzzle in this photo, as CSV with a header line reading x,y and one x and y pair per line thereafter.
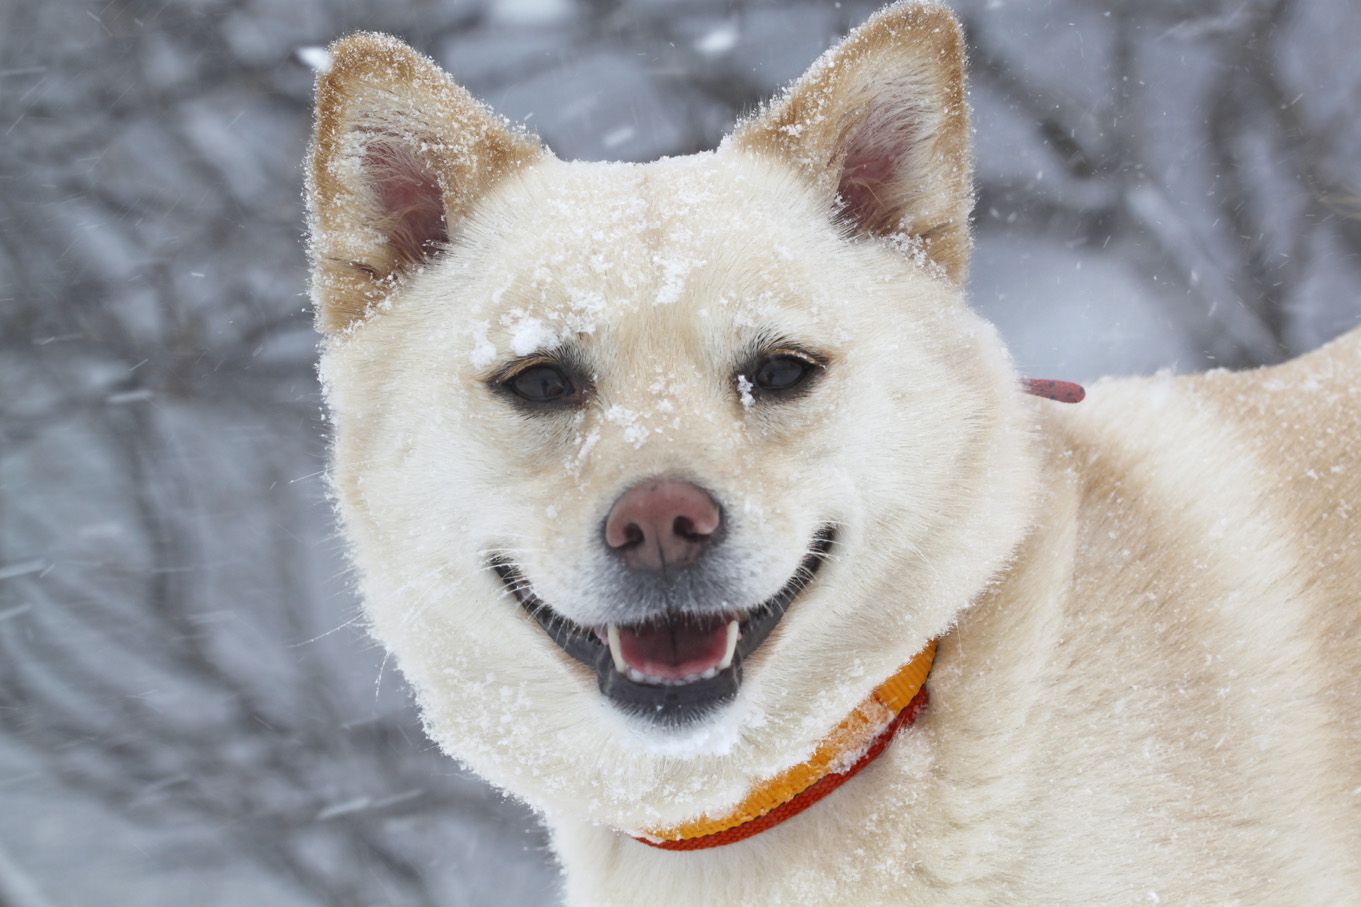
x,y
671,668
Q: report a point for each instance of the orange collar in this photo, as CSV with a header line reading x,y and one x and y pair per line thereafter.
x,y
852,744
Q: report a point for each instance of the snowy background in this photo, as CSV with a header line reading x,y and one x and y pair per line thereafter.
x,y
188,706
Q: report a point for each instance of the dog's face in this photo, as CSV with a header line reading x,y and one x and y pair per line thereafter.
x,y
652,472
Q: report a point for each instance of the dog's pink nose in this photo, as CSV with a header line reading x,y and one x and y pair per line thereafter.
x,y
661,524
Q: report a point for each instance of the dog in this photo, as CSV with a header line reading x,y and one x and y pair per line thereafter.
x,y
705,517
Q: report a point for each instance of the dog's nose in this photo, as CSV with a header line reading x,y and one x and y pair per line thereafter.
x,y
661,524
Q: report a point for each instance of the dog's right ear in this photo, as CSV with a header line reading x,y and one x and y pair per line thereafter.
x,y
880,126
400,154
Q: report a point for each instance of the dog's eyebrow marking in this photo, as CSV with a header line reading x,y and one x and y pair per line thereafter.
x,y
507,370
568,354
767,342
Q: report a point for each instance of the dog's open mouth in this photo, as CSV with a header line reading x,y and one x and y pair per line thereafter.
x,y
674,668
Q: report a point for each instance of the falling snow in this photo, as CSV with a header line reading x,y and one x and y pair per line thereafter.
x,y
718,41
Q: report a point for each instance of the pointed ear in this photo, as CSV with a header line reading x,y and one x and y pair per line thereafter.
x,y
400,154
880,124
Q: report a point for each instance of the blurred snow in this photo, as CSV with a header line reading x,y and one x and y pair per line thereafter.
x,y
317,59
531,12
719,40
188,705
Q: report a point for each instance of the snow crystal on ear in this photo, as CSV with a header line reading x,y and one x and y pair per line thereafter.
x,y
913,247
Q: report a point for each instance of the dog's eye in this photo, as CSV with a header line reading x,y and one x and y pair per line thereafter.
x,y
783,372
542,384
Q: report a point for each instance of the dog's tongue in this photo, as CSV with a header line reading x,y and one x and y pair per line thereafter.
x,y
676,650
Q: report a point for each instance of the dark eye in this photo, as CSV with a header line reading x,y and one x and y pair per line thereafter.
x,y
782,373
542,384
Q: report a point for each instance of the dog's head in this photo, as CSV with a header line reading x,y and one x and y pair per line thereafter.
x,y
652,472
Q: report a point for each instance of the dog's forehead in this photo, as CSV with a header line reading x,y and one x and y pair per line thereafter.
x,y
678,204
587,248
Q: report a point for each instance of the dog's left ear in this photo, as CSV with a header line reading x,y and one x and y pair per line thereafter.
x,y
400,156
880,124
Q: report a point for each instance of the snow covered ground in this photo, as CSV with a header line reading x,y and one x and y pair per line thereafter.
x,y
188,705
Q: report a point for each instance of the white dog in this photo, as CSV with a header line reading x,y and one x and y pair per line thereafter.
x,y
669,484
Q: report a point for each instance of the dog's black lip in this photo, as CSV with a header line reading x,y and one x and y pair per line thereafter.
x,y
667,704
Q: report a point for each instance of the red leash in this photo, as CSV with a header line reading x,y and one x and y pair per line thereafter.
x,y
1062,391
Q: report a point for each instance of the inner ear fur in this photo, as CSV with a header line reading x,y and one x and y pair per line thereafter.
x,y
399,156
880,124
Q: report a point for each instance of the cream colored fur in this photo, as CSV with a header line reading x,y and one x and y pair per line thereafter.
x,y
1147,688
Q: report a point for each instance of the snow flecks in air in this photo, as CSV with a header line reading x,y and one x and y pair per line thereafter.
x,y
719,40
531,12
618,136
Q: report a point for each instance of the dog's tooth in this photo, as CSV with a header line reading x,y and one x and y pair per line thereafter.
x,y
733,633
709,673
616,650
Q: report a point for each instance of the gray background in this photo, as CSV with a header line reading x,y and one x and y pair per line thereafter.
x,y
189,710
